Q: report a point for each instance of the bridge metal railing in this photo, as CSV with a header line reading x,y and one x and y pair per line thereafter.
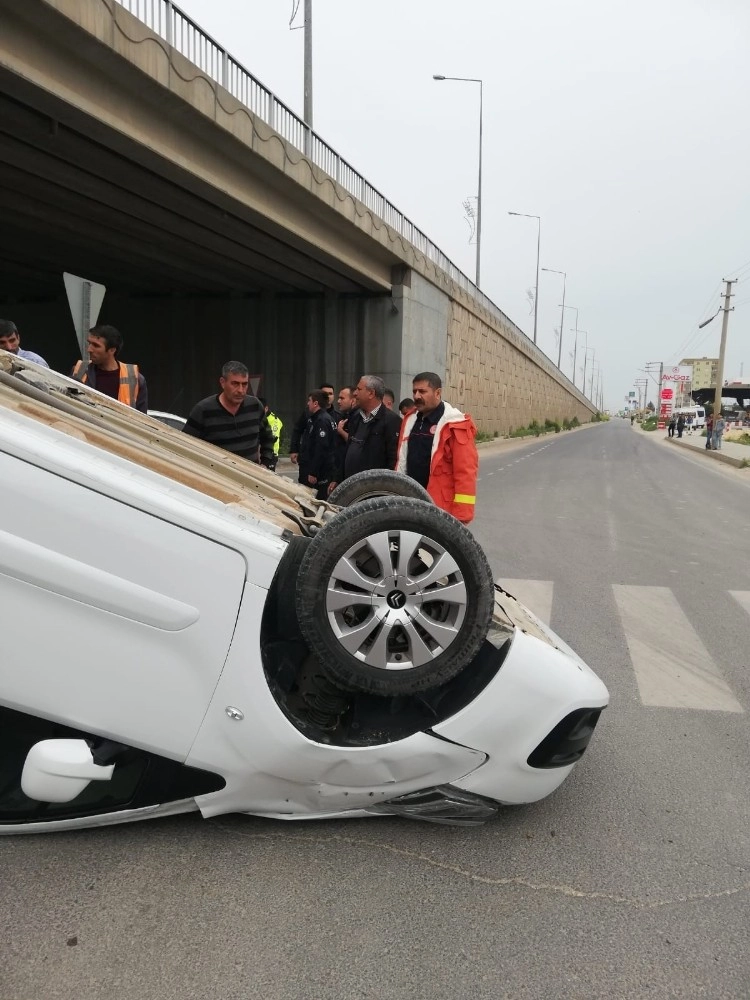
x,y
166,19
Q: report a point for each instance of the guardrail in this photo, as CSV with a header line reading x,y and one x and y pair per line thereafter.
x,y
166,19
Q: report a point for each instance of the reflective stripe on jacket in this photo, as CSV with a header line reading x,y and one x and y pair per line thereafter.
x,y
128,391
454,464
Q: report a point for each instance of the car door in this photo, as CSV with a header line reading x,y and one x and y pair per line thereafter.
x,y
114,621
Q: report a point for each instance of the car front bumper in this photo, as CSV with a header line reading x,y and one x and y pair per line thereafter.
x,y
534,719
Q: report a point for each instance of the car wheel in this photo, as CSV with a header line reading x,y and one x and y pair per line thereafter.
x,y
394,596
377,483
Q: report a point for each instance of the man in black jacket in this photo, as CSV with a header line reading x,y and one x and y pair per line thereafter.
x,y
373,431
318,445
300,426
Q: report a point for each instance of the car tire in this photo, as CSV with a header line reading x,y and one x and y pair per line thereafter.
x,y
374,610
377,483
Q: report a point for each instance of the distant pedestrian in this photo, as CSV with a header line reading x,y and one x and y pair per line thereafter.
x,y
437,448
671,426
317,454
709,431
680,425
106,373
234,420
11,341
406,406
372,431
718,432
632,419
690,424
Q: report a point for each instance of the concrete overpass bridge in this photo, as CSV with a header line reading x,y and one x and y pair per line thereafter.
x,y
138,153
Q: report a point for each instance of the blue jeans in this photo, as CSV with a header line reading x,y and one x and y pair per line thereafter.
x,y
716,441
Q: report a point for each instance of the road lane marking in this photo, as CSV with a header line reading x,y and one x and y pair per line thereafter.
x,y
535,594
672,666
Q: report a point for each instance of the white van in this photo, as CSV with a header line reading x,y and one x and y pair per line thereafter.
x,y
698,414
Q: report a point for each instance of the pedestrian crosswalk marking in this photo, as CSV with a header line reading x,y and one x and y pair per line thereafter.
x,y
672,666
743,598
535,594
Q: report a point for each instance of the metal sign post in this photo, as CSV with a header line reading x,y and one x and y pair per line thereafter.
x,y
85,299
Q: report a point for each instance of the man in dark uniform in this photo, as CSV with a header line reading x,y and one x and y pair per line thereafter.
x,y
318,444
300,426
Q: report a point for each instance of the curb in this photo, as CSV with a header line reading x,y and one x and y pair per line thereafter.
x,y
714,455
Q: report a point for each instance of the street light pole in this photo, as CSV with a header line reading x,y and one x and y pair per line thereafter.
x,y
585,359
523,215
551,270
308,82
472,79
575,342
575,309
575,349
585,362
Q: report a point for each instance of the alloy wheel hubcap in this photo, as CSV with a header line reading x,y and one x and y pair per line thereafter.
x,y
396,600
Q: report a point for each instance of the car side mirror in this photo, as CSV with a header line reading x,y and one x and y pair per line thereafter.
x,y
59,770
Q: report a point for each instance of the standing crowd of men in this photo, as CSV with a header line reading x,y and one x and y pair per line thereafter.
x,y
426,438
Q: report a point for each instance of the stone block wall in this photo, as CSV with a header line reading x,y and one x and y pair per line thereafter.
x,y
499,383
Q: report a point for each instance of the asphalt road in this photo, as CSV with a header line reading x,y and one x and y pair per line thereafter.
x,y
632,881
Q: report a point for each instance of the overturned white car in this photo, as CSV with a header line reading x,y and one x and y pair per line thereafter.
x,y
184,631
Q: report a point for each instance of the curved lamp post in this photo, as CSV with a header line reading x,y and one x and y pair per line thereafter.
x,y
564,274
524,215
471,79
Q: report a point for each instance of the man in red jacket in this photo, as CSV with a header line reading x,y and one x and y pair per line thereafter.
x,y
436,447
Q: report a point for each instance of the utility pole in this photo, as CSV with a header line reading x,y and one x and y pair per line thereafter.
x,y
658,395
723,347
641,385
308,80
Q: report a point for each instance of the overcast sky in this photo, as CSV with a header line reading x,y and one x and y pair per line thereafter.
x,y
624,125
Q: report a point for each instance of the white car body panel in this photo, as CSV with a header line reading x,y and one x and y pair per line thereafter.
x,y
536,688
146,618
272,769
